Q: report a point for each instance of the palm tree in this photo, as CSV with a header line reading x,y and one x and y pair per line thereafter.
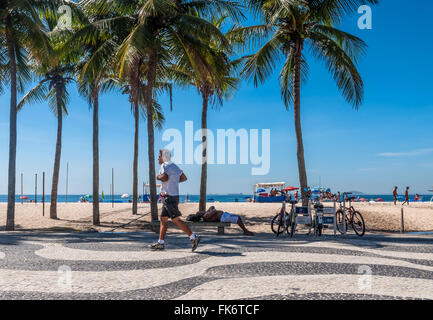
x,y
291,26
52,87
22,34
97,47
137,98
161,30
211,76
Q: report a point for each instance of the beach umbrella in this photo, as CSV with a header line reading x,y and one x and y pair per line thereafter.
x,y
102,195
261,190
290,189
125,195
88,196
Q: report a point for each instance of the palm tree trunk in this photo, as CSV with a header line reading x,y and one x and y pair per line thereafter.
x,y
54,187
134,96
10,220
135,164
95,99
203,182
151,75
297,113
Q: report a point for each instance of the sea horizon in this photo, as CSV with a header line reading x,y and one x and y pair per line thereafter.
x,y
240,197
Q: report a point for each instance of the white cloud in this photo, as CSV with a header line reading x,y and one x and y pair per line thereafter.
x,y
406,154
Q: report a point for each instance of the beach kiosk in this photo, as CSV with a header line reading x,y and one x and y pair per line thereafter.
x,y
260,196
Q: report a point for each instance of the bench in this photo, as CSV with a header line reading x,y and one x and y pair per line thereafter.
x,y
154,225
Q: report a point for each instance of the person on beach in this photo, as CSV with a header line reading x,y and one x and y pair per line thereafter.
x,y
214,215
395,195
171,175
406,196
416,198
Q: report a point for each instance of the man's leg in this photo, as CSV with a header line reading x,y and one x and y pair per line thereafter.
x,y
163,228
246,231
182,225
160,244
195,239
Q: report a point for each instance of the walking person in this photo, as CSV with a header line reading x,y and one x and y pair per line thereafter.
x,y
406,196
395,195
171,175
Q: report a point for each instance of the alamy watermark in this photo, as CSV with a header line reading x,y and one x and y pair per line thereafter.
x,y
365,280
65,19
64,280
365,21
221,147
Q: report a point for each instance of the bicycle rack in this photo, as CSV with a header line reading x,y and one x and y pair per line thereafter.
x,y
304,216
330,217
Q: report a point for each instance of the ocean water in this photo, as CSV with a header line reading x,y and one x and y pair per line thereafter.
x,y
193,198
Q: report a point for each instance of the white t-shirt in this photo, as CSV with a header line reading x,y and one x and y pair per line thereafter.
x,y
171,186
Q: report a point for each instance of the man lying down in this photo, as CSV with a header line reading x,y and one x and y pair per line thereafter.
x,y
214,215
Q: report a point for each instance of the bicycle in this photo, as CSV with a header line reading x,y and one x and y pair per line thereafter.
x,y
283,220
353,217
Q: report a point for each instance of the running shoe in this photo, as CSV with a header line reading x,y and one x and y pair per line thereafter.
x,y
157,246
195,242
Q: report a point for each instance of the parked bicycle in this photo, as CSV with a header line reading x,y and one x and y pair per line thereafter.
x,y
353,219
283,220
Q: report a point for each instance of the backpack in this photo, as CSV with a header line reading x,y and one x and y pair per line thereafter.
x,y
193,218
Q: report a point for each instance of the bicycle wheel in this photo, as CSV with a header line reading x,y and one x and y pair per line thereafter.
x,y
277,224
339,221
358,224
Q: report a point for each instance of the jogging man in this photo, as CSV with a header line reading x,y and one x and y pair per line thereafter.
x,y
171,175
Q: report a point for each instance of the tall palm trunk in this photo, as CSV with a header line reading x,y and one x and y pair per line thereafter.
x,y
54,187
151,76
10,220
135,164
203,182
95,98
297,113
134,83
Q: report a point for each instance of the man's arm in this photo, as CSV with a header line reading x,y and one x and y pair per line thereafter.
x,y
182,177
162,177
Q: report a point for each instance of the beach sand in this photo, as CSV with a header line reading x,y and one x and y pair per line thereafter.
x,y
383,217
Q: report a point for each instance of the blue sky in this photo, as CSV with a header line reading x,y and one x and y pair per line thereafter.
x,y
387,142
